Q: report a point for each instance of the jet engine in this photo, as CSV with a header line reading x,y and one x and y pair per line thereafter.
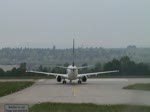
x,y
58,78
84,78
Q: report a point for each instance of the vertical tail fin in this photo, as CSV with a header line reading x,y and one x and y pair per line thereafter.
x,y
73,54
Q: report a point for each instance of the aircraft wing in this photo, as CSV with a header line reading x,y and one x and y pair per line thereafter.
x,y
96,73
46,73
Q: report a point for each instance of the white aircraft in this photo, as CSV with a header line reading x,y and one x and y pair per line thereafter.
x,y
72,73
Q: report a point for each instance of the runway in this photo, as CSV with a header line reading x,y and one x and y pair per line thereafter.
x,y
99,91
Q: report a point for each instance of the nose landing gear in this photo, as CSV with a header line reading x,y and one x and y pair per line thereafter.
x,y
64,82
79,81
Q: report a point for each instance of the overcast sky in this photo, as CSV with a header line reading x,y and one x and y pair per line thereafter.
x,y
93,23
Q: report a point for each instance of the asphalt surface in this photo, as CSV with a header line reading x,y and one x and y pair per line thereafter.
x,y
99,91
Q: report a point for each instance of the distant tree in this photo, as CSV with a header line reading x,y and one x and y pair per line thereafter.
x,y
116,64
21,70
40,68
125,60
98,67
125,63
14,71
84,70
45,69
108,66
2,72
66,64
113,65
142,69
49,69
23,66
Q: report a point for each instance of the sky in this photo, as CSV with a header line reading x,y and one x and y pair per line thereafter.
x,y
93,23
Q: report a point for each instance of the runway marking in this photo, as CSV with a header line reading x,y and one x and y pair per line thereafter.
x,y
75,90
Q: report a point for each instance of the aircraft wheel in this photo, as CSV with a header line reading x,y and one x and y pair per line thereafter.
x,y
79,82
64,82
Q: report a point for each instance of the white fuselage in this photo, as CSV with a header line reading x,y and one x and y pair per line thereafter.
x,y
72,72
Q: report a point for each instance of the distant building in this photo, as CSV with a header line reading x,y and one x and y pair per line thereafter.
x,y
131,47
54,48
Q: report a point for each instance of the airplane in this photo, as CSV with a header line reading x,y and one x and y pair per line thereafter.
x,y
72,73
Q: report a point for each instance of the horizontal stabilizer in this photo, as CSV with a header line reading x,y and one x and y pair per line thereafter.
x,y
61,67
85,67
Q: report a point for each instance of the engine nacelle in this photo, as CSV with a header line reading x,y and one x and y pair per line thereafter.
x,y
84,78
58,78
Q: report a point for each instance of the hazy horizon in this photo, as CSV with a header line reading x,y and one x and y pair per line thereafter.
x,y
93,23
35,46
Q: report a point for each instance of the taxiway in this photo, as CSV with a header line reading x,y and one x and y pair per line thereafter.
x,y
99,91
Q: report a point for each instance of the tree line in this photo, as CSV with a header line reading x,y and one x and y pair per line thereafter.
x,y
125,66
38,56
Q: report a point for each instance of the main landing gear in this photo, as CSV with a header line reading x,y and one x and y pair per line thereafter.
x,y
64,82
79,82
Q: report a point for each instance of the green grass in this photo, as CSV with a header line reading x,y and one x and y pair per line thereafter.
x,y
139,86
11,87
68,107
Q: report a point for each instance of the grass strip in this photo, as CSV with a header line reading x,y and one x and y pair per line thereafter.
x,y
11,87
69,107
139,86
